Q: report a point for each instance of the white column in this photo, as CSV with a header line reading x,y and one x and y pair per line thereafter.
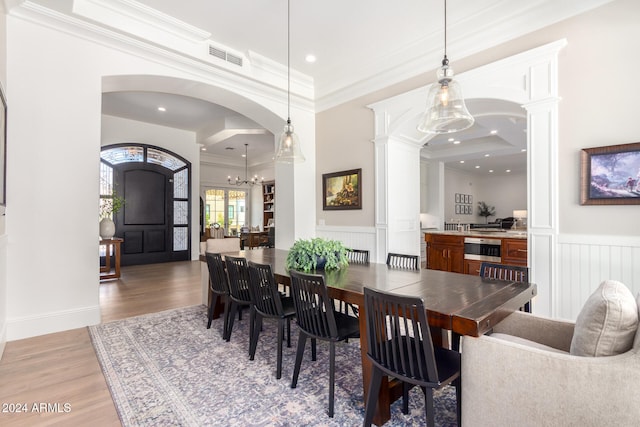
x,y
397,197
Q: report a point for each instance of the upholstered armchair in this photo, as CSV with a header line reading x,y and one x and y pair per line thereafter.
x,y
524,374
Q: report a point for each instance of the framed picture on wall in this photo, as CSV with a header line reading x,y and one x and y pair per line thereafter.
x,y
342,190
610,175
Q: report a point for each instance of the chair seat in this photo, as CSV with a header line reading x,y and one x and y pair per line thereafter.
x,y
448,363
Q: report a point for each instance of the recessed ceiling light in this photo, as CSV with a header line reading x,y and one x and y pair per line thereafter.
x,y
451,139
490,170
456,142
310,58
477,166
203,149
244,155
461,161
493,132
508,170
487,155
523,150
162,109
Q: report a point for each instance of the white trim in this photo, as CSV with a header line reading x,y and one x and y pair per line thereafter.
x,y
40,324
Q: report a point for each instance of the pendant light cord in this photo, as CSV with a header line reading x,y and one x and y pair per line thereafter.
x,y
445,61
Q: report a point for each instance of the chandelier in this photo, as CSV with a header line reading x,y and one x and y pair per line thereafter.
x,y
446,111
246,180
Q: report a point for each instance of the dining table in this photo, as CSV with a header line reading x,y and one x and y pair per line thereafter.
x,y
456,304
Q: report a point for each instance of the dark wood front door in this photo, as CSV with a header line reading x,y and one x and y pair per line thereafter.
x,y
145,222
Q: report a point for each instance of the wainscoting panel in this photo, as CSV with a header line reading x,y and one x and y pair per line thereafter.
x,y
352,237
585,261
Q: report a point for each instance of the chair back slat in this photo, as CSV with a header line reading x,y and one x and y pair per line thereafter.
x,y
398,336
358,256
238,279
410,262
217,276
264,290
314,309
513,273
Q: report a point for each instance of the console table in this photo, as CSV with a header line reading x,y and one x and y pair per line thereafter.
x,y
110,245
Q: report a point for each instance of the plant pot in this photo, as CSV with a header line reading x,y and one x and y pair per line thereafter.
x,y
320,262
107,228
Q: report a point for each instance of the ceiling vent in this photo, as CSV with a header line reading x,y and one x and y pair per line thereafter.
x,y
225,56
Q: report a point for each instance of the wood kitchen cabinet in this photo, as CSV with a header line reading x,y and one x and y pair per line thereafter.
x,y
514,251
445,252
472,266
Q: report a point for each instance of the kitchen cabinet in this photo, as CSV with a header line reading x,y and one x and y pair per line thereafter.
x,y
514,251
472,266
445,252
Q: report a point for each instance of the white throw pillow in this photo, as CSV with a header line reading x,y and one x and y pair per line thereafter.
x,y
607,323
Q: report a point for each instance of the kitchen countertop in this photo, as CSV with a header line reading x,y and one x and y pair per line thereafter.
x,y
479,232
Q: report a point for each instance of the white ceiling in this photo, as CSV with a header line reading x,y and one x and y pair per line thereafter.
x,y
361,45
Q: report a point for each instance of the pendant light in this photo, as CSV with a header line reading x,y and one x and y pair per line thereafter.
x,y
446,111
289,145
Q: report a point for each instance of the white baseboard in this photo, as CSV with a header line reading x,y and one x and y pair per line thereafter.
x,y
41,324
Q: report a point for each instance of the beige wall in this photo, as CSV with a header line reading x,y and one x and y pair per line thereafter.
x,y
598,89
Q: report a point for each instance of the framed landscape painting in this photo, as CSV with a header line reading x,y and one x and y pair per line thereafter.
x,y
610,175
342,190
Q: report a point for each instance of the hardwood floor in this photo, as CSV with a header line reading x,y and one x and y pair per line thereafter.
x,y
56,380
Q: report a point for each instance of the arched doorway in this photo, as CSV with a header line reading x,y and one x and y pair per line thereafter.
x,y
155,184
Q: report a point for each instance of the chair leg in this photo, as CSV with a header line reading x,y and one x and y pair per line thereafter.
x,y
458,385
232,310
279,357
289,333
225,325
405,398
302,339
372,397
214,301
253,344
313,349
428,406
252,323
332,375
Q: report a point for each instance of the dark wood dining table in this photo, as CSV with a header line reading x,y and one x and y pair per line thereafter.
x,y
460,303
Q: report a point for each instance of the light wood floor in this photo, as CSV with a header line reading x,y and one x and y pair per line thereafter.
x,y
62,368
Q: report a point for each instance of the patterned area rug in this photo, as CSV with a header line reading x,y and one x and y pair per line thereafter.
x,y
167,369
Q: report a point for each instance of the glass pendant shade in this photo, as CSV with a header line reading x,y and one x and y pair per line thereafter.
x,y
446,111
289,146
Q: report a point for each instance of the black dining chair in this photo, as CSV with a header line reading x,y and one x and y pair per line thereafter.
x,y
219,289
514,273
399,345
238,291
317,319
358,256
410,262
271,304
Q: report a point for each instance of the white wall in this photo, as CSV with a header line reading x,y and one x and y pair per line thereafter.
x,y
116,130
57,79
3,234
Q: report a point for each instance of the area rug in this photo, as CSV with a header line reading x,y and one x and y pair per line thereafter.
x,y
168,369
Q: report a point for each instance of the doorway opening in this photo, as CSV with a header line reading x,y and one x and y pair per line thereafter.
x,y
155,218
227,208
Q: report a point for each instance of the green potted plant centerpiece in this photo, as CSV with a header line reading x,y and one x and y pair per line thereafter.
x,y
108,208
317,254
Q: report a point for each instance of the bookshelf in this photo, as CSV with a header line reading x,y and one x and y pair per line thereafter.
x,y
269,203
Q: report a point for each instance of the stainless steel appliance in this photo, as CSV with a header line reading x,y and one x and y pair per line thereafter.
x,y
481,249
